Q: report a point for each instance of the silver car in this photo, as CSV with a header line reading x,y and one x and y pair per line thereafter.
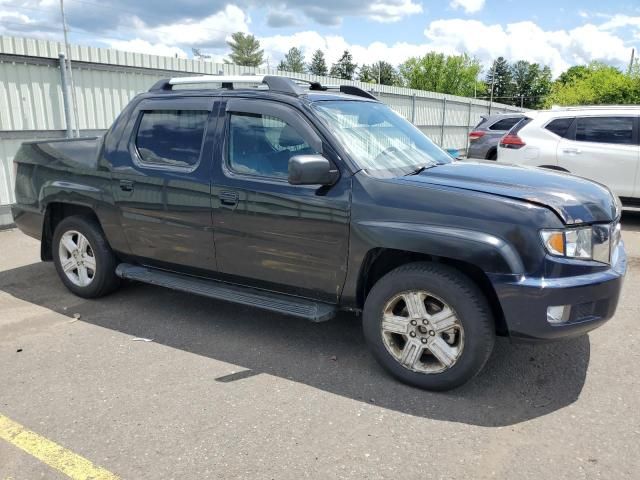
x,y
484,139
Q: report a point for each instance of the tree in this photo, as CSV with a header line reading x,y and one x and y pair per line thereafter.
x,y
245,50
344,67
318,65
436,72
573,73
197,53
499,79
530,83
379,72
597,84
293,61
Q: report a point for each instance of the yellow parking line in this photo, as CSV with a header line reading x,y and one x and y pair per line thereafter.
x,y
72,465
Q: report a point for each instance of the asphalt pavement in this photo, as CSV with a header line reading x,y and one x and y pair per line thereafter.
x,y
224,391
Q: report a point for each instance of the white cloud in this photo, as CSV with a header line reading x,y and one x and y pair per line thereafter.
x,y
393,12
469,6
515,41
621,21
210,31
527,41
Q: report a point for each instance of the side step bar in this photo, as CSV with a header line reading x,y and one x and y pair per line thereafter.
x,y
274,302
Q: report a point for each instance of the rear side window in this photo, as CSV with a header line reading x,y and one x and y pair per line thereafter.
x,y
171,137
614,130
262,145
560,126
523,122
505,124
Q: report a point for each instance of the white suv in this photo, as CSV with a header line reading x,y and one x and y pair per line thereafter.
x,y
600,143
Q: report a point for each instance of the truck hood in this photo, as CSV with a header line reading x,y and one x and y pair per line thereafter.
x,y
574,199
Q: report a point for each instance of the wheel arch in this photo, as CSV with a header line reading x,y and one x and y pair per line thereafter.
x,y
380,261
55,212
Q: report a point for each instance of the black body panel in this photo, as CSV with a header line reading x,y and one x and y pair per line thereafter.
x,y
315,241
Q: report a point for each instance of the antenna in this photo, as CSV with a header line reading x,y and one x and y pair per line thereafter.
x,y
68,67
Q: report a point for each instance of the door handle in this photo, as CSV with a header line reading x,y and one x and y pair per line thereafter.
x,y
126,185
228,197
572,151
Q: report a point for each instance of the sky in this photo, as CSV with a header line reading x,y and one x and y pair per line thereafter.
x,y
551,32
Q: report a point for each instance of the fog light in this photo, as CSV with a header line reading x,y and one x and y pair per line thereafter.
x,y
558,314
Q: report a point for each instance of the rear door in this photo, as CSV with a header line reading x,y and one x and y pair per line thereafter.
x,y
604,149
162,186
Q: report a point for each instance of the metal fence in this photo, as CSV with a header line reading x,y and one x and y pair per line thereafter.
x,y
32,106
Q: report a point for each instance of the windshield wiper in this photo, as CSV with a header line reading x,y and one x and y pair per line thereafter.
x,y
420,169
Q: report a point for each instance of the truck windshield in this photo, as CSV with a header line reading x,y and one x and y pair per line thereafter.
x,y
378,139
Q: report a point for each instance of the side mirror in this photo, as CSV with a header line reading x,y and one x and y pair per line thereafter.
x,y
311,170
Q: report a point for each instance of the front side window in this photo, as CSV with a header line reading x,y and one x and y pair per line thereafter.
x,y
378,139
615,130
262,145
171,137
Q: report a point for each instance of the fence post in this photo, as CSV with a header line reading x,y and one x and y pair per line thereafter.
x,y
413,108
468,129
444,113
65,94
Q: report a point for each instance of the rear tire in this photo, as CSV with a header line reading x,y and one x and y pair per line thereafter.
x,y
440,337
492,155
83,258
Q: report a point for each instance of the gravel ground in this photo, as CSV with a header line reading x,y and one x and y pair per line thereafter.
x,y
224,391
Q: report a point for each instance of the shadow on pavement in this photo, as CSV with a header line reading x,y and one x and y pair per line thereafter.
x,y
631,221
520,382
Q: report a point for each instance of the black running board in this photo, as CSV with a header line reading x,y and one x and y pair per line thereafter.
x,y
274,302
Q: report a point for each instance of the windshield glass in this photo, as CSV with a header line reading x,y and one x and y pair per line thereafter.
x,y
378,139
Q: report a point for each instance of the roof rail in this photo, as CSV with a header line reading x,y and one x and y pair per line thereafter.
x,y
274,82
558,108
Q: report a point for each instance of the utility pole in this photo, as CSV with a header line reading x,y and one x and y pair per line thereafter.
x,y
633,57
493,83
68,66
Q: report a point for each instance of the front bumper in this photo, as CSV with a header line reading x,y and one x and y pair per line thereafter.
x,y
593,299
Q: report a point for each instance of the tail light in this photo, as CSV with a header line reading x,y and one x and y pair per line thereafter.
x,y
476,134
511,140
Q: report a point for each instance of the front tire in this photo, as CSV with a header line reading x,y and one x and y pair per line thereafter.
x,y
83,259
429,325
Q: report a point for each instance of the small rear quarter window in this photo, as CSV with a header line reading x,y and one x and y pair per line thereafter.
x,y
560,126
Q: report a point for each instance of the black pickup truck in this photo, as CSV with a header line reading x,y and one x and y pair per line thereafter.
x,y
307,200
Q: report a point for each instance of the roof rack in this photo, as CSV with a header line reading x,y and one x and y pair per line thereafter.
x,y
275,83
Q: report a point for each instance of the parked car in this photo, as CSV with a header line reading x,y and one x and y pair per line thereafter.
x,y
304,201
484,139
600,143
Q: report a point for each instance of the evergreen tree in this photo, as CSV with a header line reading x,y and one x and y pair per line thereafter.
x,y
499,77
245,50
344,67
318,65
293,61
379,72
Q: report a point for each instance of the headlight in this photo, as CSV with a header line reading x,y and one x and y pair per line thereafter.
x,y
587,243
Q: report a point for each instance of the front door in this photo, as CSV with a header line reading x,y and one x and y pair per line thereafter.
x,y
268,232
162,186
604,149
